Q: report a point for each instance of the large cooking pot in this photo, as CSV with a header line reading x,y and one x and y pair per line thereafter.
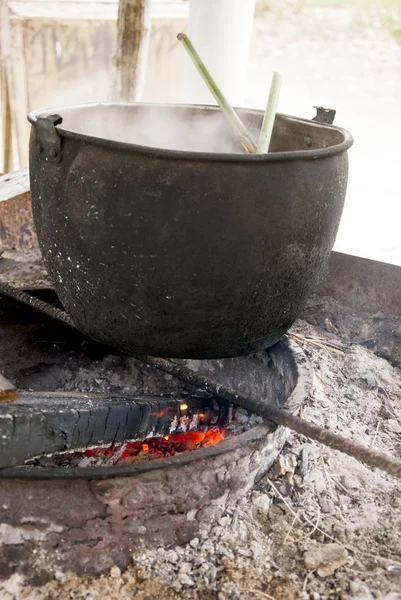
x,y
162,238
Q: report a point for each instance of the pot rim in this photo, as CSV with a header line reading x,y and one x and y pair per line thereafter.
x,y
155,152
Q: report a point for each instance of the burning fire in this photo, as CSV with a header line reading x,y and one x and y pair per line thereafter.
x,y
129,452
185,430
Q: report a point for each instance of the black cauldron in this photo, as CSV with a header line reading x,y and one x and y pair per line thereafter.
x,y
195,252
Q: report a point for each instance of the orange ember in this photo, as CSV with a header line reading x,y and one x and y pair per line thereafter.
x,y
150,448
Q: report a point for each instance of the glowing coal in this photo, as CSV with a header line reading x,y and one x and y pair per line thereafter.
x,y
190,431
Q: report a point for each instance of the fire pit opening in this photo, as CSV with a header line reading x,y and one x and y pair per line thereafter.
x,y
106,454
177,428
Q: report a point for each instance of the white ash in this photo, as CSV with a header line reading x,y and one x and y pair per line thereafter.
x,y
272,541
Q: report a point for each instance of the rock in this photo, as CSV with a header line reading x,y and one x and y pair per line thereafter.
x,y
184,579
392,596
262,503
329,326
275,511
191,514
285,467
397,334
171,556
359,590
317,477
312,320
370,380
115,572
385,352
176,585
207,547
325,558
350,482
394,570
244,552
355,586
218,530
185,567
60,576
392,425
194,543
310,596
327,505
221,475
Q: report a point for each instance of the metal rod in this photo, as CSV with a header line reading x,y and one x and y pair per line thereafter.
x,y
256,405
279,416
36,303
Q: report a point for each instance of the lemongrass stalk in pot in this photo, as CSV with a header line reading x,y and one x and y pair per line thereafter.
x,y
241,132
270,115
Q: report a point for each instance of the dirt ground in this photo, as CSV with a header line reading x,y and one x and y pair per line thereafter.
x,y
319,526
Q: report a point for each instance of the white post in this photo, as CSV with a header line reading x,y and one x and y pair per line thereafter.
x,y
221,32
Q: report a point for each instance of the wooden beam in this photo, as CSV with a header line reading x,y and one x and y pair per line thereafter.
x,y
14,63
14,184
6,164
8,393
134,18
17,230
5,113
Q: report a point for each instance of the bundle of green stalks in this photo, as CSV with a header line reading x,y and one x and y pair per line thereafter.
x,y
241,132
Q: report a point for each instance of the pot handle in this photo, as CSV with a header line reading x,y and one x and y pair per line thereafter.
x,y
324,115
48,140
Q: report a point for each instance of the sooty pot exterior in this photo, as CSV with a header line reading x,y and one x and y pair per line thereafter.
x,y
184,253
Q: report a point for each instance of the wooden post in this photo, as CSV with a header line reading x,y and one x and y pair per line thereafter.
x,y
134,18
6,164
14,62
5,113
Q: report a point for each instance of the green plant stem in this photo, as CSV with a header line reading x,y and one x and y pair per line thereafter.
x,y
270,115
237,125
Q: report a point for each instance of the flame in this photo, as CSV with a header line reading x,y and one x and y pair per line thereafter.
x,y
183,406
149,448
160,414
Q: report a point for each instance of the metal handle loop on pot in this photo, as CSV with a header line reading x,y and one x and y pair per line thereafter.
x,y
48,141
324,115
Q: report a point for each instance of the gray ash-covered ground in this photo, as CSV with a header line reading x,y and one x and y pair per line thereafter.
x,y
319,526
